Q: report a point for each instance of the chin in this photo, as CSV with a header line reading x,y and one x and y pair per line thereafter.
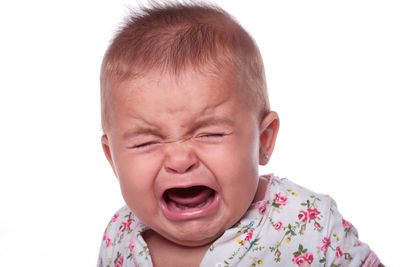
x,y
195,234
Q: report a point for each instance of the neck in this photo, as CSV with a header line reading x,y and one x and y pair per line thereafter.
x,y
261,189
164,252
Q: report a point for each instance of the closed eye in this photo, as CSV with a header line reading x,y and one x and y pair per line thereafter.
x,y
144,145
211,136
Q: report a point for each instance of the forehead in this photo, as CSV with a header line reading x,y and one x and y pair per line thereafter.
x,y
161,97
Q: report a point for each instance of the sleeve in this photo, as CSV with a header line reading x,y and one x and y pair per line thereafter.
x,y
112,244
107,244
341,246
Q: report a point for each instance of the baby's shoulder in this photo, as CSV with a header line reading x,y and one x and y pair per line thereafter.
x,y
121,215
312,227
298,207
117,236
283,192
122,224
303,207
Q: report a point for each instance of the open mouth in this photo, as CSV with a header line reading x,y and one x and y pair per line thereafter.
x,y
190,202
187,198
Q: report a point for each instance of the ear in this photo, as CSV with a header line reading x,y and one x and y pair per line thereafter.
x,y
268,131
107,152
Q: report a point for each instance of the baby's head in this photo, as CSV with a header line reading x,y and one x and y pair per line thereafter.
x,y
186,120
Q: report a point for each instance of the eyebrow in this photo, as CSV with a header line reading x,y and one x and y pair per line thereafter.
x,y
210,122
140,131
196,125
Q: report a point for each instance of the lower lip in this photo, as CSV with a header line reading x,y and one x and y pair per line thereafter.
x,y
192,213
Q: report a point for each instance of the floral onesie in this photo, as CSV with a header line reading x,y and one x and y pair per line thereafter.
x,y
292,226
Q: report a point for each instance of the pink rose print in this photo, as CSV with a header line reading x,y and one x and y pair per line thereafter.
x,y
105,235
346,224
313,213
125,225
262,209
317,225
302,257
303,216
299,260
339,252
308,257
115,217
278,226
326,242
108,242
119,262
249,236
280,200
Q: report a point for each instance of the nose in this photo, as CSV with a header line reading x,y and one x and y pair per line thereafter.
x,y
180,159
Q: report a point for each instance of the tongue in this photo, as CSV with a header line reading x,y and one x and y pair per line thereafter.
x,y
191,196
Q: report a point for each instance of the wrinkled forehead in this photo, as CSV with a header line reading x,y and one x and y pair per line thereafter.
x,y
191,93
222,81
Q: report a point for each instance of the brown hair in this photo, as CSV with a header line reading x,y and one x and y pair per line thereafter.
x,y
174,37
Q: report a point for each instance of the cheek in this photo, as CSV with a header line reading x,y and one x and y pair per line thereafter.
x,y
136,176
244,152
235,164
244,165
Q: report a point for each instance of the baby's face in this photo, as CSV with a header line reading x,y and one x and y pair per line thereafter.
x,y
186,153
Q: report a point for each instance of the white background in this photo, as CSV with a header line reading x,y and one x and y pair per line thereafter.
x,y
333,70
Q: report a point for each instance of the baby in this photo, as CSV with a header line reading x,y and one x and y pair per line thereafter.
x,y
186,122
